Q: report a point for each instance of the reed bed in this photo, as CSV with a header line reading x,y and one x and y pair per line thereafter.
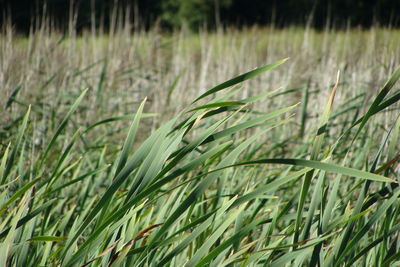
x,y
208,149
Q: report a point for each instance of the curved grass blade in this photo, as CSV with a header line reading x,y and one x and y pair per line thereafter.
x,y
241,78
328,167
218,105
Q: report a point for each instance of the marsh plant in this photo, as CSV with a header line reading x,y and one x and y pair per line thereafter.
x,y
291,176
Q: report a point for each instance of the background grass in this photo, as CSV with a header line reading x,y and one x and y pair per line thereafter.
x,y
107,160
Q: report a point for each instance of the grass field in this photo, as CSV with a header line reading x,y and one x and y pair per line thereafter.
x,y
209,149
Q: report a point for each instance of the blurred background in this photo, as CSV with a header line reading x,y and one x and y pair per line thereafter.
x,y
195,14
171,51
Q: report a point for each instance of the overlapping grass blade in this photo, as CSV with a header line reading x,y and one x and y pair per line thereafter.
x,y
240,79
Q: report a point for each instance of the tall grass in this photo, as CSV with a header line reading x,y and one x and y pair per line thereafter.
x,y
240,174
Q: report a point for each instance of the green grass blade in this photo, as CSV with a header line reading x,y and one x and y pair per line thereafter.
x,y
240,79
328,167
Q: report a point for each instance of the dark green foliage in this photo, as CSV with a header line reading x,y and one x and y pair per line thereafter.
x,y
196,14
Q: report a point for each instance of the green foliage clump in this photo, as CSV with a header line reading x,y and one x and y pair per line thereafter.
x,y
191,13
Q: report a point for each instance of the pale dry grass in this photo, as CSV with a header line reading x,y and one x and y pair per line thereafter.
x,y
122,68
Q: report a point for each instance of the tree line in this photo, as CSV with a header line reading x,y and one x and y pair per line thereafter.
x,y
195,14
